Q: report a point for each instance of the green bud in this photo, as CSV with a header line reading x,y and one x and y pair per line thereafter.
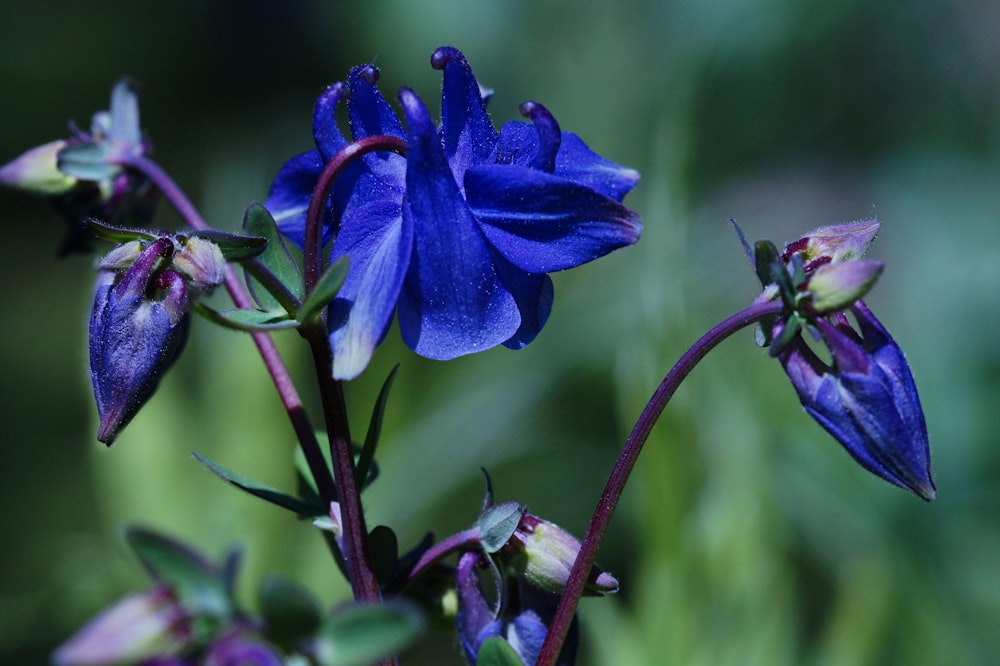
x,y
834,287
37,171
546,554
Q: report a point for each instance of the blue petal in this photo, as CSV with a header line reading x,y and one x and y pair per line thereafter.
x,y
518,144
327,135
533,294
379,244
467,132
452,303
543,223
578,163
288,199
371,115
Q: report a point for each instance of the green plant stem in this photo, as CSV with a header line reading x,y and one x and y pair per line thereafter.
x,y
265,346
626,462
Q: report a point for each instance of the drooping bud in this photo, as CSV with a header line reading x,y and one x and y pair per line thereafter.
x,y
546,556
866,399
138,326
139,627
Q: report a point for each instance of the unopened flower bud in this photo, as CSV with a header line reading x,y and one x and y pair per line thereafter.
x,y
201,262
836,286
37,171
547,554
836,243
139,627
866,398
138,327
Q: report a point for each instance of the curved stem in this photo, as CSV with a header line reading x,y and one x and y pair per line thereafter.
x,y
437,551
311,242
268,351
623,467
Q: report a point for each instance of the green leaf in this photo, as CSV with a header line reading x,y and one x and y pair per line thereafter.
x,y
115,234
495,651
291,613
326,289
362,634
765,255
257,221
497,524
384,548
374,430
788,332
235,247
294,504
253,321
200,586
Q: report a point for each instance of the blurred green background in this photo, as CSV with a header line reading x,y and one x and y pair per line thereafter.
x,y
746,535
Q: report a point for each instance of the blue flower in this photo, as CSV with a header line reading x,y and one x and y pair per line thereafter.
x,y
865,398
458,237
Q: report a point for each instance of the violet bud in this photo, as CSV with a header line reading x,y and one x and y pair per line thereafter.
x,y
138,327
866,398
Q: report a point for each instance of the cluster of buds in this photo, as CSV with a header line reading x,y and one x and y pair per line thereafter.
x,y
85,175
140,319
865,395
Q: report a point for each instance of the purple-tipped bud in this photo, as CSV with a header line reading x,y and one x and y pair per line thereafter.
x,y
866,399
839,242
138,327
834,287
139,627
546,556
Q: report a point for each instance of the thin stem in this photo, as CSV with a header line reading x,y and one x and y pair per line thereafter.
x,y
268,351
438,551
363,582
623,467
311,242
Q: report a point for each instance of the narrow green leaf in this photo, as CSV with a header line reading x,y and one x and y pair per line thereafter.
x,y
253,321
115,234
497,524
235,247
200,586
362,634
257,221
294,504
765,254
495,651
326,289
374,431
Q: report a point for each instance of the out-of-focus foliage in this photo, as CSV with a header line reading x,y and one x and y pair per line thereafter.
x,y
746,534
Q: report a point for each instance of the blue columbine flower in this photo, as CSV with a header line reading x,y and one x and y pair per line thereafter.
x,y
458,236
